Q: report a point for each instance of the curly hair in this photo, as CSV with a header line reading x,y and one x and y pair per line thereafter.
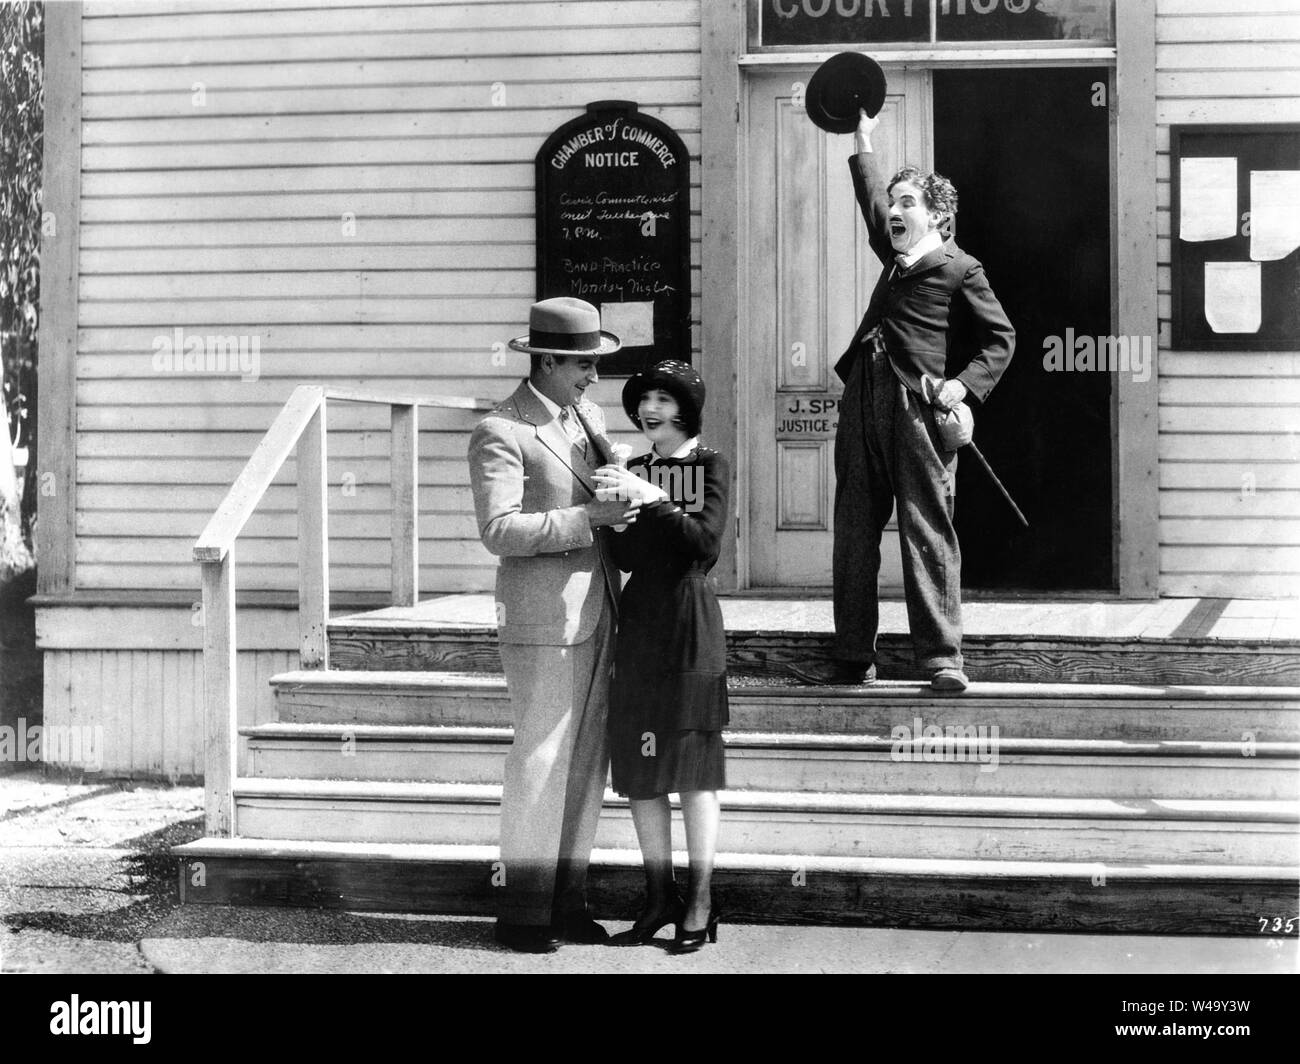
x,y
938,190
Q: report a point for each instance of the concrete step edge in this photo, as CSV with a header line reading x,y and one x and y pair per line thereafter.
x,y
811,802
372,626
789,741
288,849
345,679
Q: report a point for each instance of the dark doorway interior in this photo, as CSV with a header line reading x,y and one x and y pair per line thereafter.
x,y
1029,154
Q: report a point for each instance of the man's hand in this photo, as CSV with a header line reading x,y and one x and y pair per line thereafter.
x,y
611,512
949,395
862,136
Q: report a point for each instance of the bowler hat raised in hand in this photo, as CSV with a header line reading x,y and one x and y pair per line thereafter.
x,y
565,325
845,82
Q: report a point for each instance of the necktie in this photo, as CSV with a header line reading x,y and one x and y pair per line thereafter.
x,y
572,426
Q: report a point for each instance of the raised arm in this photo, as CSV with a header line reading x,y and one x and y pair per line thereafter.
x,y
869,187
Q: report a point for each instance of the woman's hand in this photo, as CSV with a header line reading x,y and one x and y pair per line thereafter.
x,y
616,482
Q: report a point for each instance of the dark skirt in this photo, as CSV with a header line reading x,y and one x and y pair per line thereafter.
x,y
668,698
684,761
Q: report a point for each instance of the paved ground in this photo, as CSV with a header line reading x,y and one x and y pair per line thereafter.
x,y
262,940
87,885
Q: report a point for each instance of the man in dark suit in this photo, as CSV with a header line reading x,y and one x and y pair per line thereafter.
x,y
531,464
932,314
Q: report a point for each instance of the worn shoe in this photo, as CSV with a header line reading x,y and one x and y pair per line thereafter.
x,y
834,673
527,938
579,928
951,681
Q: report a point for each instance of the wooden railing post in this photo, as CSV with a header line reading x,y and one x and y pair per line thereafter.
x,y
313,545
221,724
300,425
405,481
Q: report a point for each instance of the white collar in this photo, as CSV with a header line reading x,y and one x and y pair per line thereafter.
x,y
681,452
923,247
550,404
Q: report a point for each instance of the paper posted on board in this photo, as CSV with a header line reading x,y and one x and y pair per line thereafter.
x,y
633,323
1232,296
1207,198
1274,214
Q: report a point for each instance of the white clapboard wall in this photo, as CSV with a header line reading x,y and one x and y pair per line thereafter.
x,y
1226,416
148,704
351,186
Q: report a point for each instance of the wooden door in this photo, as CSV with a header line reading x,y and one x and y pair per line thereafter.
x,y
810,273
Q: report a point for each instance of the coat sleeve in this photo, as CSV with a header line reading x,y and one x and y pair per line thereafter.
x,y
623,546
695,532
873,200
626,547
496,474
994,337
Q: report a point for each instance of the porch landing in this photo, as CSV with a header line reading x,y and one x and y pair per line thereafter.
x,y
1165,641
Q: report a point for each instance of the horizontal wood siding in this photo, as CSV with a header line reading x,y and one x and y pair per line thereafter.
x,y
224,145
1230,420
149,704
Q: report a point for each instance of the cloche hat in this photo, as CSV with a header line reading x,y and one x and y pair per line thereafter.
x,y
679,380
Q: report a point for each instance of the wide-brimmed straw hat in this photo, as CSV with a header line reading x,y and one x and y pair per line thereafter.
x,y
565,325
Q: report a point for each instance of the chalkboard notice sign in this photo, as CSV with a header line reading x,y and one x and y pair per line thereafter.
x,y
1235,254
613,228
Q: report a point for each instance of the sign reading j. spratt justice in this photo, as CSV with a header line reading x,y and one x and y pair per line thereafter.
x,y
807,415
791,23
613,228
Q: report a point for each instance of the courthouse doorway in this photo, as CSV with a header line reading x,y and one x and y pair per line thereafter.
x,y
1029,152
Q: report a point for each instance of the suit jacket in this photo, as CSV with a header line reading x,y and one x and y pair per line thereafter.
x,y
938,316
530,486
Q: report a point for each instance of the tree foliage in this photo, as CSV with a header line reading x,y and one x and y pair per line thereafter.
x,y
22,109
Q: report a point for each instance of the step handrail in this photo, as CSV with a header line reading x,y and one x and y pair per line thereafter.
x,y
298,429
281,439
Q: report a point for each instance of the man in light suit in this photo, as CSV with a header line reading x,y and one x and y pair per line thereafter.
x,y
531,464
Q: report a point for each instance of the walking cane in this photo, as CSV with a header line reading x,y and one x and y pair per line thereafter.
x,y
961,436
1000,486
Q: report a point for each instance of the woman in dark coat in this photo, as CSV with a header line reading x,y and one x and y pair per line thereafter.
x,y
668,698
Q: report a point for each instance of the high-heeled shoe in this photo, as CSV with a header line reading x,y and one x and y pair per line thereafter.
x,y
690,941
641,936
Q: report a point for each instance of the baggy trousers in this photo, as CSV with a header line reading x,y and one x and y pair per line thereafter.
x,y
555,774
887,448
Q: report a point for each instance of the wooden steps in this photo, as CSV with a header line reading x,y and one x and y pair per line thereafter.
x,y
760,761
855,891
995,808
380,643
1155,712
833,825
